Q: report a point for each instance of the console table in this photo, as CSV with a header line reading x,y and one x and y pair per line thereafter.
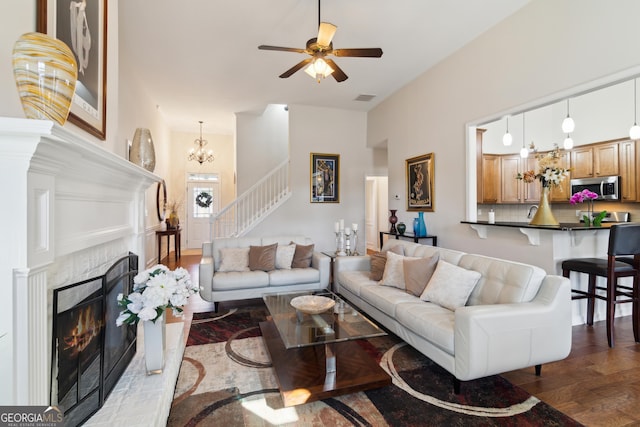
x,y
416,239
175,232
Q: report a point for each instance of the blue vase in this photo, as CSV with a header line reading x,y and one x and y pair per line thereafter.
x,y
419,227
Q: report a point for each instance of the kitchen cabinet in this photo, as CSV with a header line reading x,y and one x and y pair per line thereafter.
x,y
514,190
595,160
562,193
628,179
490,183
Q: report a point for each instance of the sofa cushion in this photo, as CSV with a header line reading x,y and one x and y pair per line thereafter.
x,y
234,259
232,280
450,285
385,298
418,272
284,256
393,271
502,282
436,324
262,257
294,276
302,256
355,280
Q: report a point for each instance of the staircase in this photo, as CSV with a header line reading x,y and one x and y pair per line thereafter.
x,y
253,206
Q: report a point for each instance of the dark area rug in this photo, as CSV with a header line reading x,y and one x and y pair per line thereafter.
x,y
226,380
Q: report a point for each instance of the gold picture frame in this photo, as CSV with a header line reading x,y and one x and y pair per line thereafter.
x,y
325,178
420,183
89,105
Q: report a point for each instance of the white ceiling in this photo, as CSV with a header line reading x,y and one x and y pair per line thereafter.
x,y
199,59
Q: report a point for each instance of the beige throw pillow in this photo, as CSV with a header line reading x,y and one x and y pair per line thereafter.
x,y
284,256
234,259
450,285
394,271
262,257
302,256
418,272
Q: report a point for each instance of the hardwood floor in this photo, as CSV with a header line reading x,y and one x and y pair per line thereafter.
x,y
595,385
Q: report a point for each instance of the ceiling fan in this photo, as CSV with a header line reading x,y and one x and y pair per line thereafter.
x,y
319,48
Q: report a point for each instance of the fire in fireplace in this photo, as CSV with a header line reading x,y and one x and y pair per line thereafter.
x,y
90,352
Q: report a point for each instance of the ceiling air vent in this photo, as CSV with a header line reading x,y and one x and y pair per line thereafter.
x,y
365,98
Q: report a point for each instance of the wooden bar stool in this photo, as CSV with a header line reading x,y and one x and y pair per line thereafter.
x,y
624,240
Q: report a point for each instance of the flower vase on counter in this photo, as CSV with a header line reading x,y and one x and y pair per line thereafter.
x,y
543,215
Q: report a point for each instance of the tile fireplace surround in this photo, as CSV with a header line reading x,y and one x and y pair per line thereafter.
x,y
70,208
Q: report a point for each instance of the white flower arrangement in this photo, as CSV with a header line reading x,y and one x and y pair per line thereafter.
x,y
155,290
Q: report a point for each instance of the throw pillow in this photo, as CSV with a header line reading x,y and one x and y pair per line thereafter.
x,y
450,285
234,259
397,249
378,262
302,256
284,256
262,257
418,272
393,271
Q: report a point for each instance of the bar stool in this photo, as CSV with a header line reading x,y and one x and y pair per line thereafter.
x,y
624,240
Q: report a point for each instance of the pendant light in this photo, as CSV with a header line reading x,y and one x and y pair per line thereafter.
x,y
568,125
524,151
634,132
568,143
507,139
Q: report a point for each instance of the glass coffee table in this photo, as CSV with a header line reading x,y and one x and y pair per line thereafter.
x,y
313,348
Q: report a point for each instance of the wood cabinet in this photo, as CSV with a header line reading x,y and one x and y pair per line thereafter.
x,y
490,183
595,160
562,193
628,179
513,190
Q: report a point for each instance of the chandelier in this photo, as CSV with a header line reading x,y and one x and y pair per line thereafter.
x,y
199,154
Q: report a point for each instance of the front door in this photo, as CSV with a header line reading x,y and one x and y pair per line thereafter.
x,y
203,201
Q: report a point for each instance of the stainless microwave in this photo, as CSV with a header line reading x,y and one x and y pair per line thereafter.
x,y
606,187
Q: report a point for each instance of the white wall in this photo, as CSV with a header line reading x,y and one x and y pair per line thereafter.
x,y
344,133
545,48
263,141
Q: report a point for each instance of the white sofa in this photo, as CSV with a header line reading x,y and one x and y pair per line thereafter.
x,y
517,316
217,286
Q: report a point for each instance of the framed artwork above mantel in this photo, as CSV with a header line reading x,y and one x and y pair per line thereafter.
x,y
82,25
420,183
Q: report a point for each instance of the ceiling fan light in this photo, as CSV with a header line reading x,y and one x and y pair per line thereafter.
x,y
319,69
326,31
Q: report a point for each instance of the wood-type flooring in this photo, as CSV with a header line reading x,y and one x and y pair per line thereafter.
x,y
596,385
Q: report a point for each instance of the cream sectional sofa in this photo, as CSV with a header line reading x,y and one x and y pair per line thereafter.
x,y
217,286
517,316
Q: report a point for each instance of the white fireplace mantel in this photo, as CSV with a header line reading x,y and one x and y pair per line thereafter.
x,y
64,197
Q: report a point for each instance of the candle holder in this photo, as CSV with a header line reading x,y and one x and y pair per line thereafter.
x,y
347,243
341,251
337,242
355,243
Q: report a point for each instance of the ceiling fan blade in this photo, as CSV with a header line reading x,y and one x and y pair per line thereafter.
x,y
374,52
295,68
280,48
326,31
337,74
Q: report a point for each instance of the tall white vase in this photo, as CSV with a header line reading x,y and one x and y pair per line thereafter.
x,y
154,344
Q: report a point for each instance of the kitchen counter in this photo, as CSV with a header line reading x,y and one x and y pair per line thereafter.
x,y
564,226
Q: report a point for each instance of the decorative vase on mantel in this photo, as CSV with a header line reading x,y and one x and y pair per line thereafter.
x,y
142,152
393,219
543,215
154,344
46,73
